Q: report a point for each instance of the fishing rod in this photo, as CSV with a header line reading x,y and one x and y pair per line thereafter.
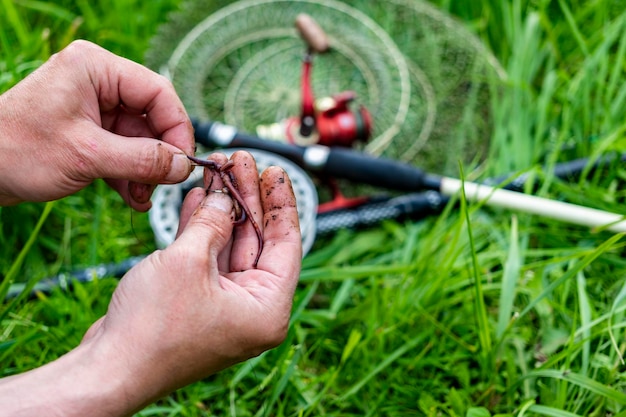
x,y
65,280
413,205
349,164
418,205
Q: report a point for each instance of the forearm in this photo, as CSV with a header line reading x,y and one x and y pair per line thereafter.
x,y
82,382
9,151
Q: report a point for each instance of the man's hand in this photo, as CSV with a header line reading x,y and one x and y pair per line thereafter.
x,y
87,114
185,312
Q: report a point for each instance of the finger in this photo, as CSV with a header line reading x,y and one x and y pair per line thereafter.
x,y
145,160
191,202
209,228
124,190
141,90
140,193
127,124
141,162
93,329
282,251
214,185
164,111
246,242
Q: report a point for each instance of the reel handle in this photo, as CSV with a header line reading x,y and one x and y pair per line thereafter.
x,y
312,33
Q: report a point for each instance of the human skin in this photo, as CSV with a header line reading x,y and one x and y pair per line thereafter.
x,y
184,312
87,114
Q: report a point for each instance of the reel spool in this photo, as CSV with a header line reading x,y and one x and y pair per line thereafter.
x,y
168,198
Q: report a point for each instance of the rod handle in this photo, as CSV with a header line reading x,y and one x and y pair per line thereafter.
x,y
525,203
312,33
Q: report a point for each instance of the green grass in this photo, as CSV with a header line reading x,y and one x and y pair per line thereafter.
x,y
477,312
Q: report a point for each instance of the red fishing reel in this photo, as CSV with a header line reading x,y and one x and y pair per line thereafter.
x,y
331,121
335,123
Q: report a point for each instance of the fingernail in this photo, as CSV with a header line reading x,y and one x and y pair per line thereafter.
x,y
180,168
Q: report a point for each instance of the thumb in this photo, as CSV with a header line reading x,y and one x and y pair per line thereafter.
x,y
210,227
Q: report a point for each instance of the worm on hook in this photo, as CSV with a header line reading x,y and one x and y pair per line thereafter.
x,y
242,212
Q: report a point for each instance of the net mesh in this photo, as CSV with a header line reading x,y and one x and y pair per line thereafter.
x,y
424,77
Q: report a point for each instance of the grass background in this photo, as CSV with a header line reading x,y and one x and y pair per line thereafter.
x,y
474,313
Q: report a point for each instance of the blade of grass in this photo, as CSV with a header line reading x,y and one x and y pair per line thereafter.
x,y
616,74
571,273
480,309
336,273
16,22
621,296
551,411
585,317
580,381
388,360
281,384
16,265
509,281
48,8
524,407
573,25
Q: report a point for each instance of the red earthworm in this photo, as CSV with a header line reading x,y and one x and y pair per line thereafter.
x,y
230,184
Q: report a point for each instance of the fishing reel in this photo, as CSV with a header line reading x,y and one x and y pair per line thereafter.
x,y
335,123
330,121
